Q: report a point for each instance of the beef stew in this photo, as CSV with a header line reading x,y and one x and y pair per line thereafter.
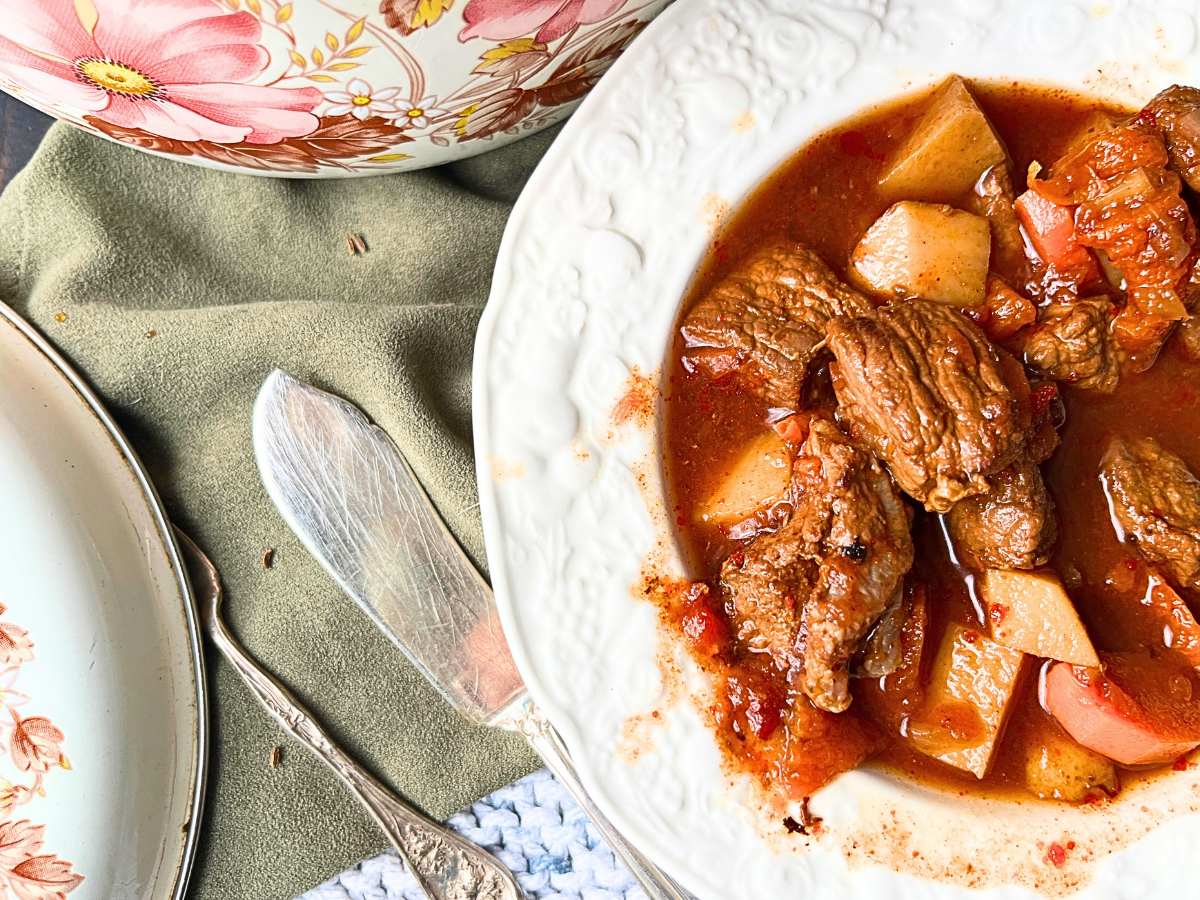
x,y
943,361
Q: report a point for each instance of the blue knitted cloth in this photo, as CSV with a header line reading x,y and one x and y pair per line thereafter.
x,y
534,827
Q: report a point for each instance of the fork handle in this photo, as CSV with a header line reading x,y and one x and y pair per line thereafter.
x,y
546,742
444,864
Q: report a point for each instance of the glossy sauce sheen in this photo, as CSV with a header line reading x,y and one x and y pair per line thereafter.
x,y
825,196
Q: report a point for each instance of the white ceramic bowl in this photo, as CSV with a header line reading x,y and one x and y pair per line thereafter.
x,y
312,88
596,258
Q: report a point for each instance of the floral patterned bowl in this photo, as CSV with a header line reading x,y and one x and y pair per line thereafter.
x,y
312,88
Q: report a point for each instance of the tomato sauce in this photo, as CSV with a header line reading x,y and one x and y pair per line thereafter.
x,y
826,197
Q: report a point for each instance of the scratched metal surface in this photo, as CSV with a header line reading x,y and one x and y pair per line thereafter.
x,y
347,491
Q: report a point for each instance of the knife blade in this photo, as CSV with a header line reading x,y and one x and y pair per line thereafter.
x,y
345,489
348,493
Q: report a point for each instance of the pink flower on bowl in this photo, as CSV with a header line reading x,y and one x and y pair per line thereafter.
x,y
314,88
502,20
180,71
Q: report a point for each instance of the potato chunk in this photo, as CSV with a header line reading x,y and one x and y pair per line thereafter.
x,y
971,687
757,478
1030,611
1057,768
949,148
925,250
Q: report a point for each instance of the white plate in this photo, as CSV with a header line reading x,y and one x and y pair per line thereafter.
x,y
595,259
113,679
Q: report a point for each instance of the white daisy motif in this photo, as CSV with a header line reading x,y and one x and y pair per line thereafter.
x,y
361,101
417,115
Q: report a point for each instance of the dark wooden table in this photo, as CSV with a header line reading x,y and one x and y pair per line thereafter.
x,y
21,130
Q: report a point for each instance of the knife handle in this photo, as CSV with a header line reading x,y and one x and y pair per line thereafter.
x,y
548,744
444,864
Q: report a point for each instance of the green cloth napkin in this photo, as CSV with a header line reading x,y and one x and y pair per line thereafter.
x,y
176,290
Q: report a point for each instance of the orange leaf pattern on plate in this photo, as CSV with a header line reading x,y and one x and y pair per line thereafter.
x,y
35,746
43,878
15,645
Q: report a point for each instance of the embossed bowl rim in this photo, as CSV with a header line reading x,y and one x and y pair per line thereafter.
x,y
594,261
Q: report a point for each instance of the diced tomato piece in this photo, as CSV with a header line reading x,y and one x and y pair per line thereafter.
x,y
758,701
806,469
1051,230
1123,722
1007,312
704,626
793,429
821,745
1136,330
1041,398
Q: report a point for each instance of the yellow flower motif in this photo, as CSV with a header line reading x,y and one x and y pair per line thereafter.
x,y
419,114
116,77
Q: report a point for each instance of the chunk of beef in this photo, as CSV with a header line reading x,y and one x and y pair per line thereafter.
x,y
1012,526
768,318
1175,113
1073,343
1155,504
765,585
810,592
850,506
993,199
922,387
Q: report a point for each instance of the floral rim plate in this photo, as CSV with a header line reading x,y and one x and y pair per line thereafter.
x,y
596,257
103,726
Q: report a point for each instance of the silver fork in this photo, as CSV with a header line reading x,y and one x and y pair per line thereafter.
x,y
445,865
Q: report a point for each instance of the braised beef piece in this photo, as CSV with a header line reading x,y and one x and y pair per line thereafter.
x,y
993,199
764,585
810,592
922,388
1013,526
1155,504
1175,113
767,319
1073,343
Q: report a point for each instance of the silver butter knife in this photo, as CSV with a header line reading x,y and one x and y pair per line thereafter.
x,y
348,493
